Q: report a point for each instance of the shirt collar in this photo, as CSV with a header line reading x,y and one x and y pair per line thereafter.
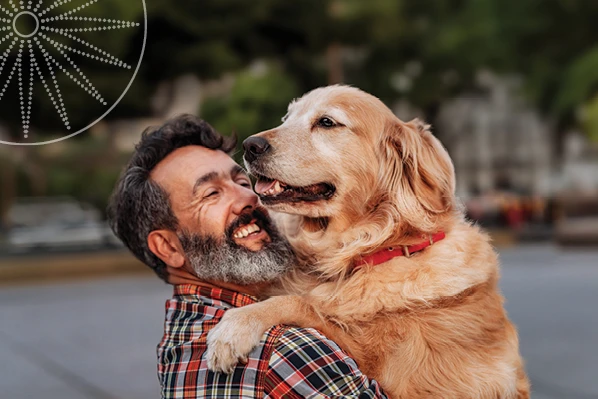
x,y
226,297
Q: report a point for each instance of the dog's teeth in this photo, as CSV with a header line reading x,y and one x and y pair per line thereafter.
x,y
276,189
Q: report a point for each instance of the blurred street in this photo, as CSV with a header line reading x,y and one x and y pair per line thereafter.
x,y
97,339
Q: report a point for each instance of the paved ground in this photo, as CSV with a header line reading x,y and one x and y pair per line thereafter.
x,y
96,339
553,298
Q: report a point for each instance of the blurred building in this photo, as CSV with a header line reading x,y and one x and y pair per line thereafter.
x,y
497,142
579,172
500,143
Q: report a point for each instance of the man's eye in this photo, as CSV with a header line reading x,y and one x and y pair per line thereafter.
x,y
326,122
211,194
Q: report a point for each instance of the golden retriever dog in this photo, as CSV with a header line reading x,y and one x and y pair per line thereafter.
x,y
390,268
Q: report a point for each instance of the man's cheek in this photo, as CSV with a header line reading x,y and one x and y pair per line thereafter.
x,y
213,223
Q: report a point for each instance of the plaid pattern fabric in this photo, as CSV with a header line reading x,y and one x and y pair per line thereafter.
x,y
289,362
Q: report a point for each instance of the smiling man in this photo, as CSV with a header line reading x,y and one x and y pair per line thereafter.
x,y
187,210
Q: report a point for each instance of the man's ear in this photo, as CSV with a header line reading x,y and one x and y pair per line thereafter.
x,y
165,245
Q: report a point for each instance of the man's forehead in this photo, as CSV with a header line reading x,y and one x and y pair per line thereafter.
x,y
185,164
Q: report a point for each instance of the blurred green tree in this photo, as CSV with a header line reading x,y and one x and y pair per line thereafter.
x,y
256,102
422,51
589,118
427,52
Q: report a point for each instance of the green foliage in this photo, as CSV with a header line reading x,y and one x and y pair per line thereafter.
x,y
63,180
580,81
552,44
257,102
422,51
87,171
590,119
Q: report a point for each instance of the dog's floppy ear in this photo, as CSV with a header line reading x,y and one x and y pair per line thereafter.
x,y
424,177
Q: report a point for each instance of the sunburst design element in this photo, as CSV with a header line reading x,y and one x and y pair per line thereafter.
x,y
31,47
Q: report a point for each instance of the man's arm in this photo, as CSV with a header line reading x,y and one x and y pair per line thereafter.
x,y
305,364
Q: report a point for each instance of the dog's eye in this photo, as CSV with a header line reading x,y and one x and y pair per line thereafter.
x,y
326,122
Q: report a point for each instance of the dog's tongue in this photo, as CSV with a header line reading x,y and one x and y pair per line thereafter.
x,y
261,186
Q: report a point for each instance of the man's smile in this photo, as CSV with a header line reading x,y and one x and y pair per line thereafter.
x,y
250,231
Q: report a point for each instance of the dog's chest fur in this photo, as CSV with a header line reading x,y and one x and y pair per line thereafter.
x,y
455,350
431,324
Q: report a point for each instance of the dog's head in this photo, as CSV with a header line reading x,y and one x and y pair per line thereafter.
x,y
340,153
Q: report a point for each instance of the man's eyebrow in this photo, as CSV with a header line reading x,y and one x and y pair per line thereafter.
x,y
204,179
236,171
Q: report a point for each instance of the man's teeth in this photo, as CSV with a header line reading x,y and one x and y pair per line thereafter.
x,y
277,189
246,230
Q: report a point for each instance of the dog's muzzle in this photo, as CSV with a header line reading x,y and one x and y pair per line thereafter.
x,y
255,147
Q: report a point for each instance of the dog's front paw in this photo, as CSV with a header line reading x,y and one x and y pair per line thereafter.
x,y
222,356
231,341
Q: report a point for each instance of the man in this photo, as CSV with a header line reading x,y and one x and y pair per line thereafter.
x,y
187,210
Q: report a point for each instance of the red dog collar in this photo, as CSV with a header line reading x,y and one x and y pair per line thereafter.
x,y
387,254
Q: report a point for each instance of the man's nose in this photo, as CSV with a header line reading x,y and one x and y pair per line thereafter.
x,y
254,147
246,200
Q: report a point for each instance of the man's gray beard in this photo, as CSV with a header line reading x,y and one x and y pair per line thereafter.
x,y
225,261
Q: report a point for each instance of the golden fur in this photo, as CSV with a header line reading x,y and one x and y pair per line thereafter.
x,y
428,326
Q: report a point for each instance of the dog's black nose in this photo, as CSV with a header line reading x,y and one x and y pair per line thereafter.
x,y
254,147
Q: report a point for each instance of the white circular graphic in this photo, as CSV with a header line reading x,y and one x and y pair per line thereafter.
x,y
18,32
46,48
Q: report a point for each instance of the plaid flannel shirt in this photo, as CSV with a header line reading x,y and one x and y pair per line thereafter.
x,y
289,363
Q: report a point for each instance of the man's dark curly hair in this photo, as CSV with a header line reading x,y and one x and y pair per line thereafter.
x,y
139,205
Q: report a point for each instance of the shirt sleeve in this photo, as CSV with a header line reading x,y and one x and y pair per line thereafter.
x,y
305,364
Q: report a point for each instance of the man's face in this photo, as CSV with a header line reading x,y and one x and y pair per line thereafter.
x,y
225,233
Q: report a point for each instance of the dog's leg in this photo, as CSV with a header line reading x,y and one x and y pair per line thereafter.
x,y
241,329
523,385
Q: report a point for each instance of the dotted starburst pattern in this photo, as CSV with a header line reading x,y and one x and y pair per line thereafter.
x,y
31,46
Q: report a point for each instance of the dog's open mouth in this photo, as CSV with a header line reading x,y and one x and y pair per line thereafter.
x,y
272,191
